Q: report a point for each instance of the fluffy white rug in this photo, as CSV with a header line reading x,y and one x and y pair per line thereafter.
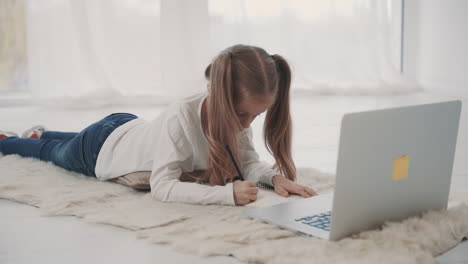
x,y
224,230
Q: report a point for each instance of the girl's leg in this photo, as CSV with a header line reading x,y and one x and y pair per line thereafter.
x,y
58,135
64,153
78,153
26,147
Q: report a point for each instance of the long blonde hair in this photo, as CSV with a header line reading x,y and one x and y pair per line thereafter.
x,y
236,73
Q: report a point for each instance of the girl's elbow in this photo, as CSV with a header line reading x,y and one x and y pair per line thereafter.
x,y
159,196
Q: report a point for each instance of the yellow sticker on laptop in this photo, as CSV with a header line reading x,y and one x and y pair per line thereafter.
x,y
400,167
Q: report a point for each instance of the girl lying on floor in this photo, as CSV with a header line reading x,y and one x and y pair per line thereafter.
x,y
190,151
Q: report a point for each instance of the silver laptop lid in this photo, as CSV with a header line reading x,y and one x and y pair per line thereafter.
x,y
392,164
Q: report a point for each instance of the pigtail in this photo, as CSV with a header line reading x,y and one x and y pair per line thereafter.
x,y
278,124
222,124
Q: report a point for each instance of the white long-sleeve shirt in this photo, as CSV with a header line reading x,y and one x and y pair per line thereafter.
x,y
173,143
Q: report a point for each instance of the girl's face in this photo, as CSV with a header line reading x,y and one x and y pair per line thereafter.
x,y
248,109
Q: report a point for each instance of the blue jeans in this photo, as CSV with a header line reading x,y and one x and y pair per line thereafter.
x,y
76,152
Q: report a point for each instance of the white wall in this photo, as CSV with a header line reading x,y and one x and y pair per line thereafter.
x,y
436,44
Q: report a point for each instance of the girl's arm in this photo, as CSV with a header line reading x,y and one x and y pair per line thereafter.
x,y
174,154
166,187
257,171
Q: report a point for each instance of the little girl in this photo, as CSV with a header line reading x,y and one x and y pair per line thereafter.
x,y
185,147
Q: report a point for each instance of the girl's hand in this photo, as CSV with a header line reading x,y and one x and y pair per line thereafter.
x,y
244,192
284,186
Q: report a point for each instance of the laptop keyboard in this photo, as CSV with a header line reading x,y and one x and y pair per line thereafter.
x,y
321,221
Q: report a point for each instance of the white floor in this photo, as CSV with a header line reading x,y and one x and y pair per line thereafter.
x,y
27,237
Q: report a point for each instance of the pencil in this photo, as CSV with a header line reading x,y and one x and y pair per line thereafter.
x,y
234,162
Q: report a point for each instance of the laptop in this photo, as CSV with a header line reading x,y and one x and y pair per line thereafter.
x,y
392,164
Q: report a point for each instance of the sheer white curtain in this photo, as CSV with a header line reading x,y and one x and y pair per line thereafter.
x,y
93,48
12,46
335,46
87,48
